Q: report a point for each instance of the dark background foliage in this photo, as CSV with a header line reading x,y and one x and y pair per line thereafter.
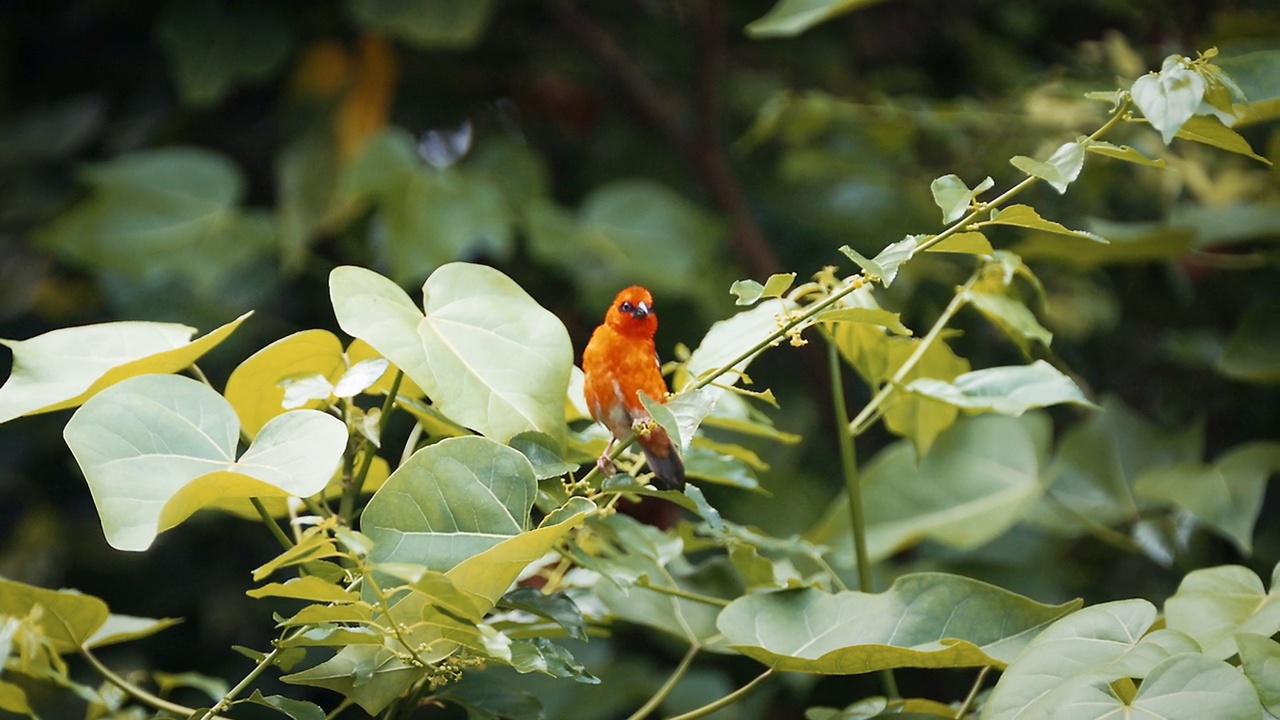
x,y
641,141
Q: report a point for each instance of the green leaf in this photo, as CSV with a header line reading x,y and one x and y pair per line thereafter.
x,y
156,448
1260,658
14,699
729,338
309,587
1060,170
1212,605
167,214
450,501
543,453
558,607
710,466
974,483
1211,131
877,358
296,709
792,17
884,267
628,232
539,654
1226,495
488,356
969,243
426,24
491,572
1070,670
372,676
1194,686
929,620
1169,98
428,216
1253,353
1008,390
63,368
1122,152
1025,216
1012,316
747,291
213,47
125,628
954,197
891,321
1127,243
67,618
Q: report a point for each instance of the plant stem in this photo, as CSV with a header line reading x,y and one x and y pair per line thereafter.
x,y
681,593
267,661
849,464
271,523
973,692
853,488
346,703
136,692
1097,529
346,506
727,700
858,424
652,703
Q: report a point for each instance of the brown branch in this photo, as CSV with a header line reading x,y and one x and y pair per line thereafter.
x,y
703,149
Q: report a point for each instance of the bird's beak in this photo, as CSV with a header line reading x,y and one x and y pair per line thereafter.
x,y
641,312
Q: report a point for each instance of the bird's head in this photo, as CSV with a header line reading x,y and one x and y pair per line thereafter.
x,y
632,312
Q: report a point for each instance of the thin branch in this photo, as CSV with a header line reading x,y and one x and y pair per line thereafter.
x,y
136,692
727,700
973,693
676,676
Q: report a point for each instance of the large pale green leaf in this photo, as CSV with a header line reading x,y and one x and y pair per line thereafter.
x,y
930,620
974,483
163,214
792,17
1093,642
66,617
488,356
953,197
1211,131
156,448
124,628
1226,495
63,368
1260,659
1213,604
1025,216
427,216
1008,390
449,502
1012,316
428,24
1068,671
212,47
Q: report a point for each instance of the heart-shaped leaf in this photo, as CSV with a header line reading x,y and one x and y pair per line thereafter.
x,y
1008,390
488,356
1213,604
156,448
254,388
930,620
68,618
449,502
63,368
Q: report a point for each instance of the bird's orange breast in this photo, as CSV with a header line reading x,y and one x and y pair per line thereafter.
x,y
616,366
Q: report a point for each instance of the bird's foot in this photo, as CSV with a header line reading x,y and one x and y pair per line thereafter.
x,y
605,463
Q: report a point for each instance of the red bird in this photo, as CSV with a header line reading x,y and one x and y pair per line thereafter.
x,y
620,360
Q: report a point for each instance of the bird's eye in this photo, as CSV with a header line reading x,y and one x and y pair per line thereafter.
x,y
626,307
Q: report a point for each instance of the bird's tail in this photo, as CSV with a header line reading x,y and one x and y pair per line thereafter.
x,y
664,461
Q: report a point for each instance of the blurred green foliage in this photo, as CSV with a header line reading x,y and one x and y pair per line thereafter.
x,y
192,160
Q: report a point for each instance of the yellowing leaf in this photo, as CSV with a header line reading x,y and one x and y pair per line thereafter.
x,y
64,368
254,388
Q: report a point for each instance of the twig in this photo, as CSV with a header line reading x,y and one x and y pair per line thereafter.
x,y
676,676
727,700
